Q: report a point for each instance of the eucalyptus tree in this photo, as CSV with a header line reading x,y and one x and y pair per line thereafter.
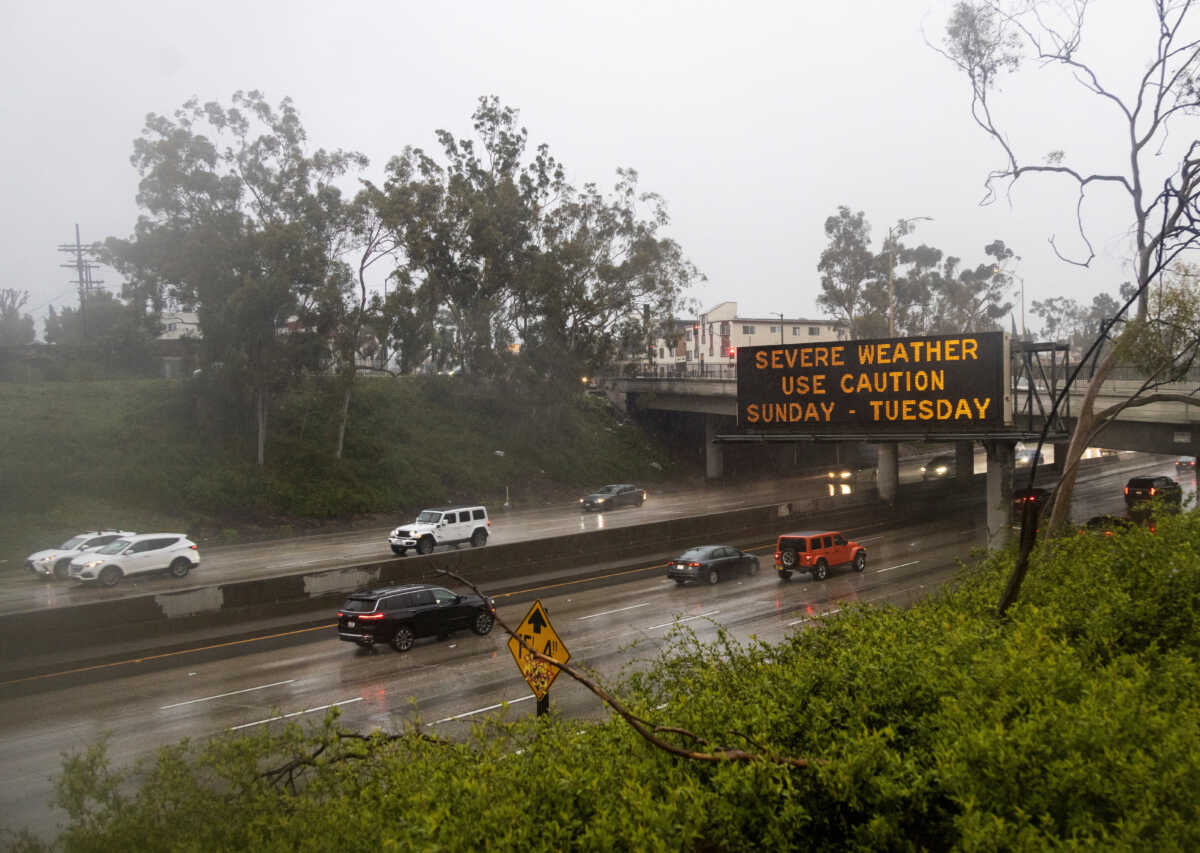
x,y
242,222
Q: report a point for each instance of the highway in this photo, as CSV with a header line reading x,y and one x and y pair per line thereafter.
x,y
445,685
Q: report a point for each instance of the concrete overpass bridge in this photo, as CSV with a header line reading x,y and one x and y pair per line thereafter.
x,y
701,403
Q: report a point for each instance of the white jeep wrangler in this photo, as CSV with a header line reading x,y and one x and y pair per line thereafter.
x,y
450,525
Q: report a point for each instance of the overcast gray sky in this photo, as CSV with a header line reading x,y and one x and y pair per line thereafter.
x,y
753,120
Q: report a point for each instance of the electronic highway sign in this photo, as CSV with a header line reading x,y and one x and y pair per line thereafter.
x,y
939,383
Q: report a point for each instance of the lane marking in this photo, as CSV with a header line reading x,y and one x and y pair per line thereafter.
x,y
145,658
297,713
818,616
479,710
223,695
618,610
686,619
581,580
901,566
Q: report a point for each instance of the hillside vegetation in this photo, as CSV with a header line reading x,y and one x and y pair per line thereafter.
x,y
1070,724
159,454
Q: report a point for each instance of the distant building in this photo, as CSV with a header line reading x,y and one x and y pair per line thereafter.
x,y
179,324
714,336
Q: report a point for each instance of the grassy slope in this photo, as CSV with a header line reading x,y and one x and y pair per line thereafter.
x,y
157,454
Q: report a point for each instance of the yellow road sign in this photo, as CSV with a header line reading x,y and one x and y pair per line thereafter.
x,y
536,630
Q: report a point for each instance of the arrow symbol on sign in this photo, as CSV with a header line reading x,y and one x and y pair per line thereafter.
x,y
537,621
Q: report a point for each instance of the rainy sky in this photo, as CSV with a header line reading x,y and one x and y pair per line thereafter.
x,y
753,120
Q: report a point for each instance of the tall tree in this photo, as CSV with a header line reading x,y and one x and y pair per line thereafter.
x,y
15,328
241,221
850,273
987,39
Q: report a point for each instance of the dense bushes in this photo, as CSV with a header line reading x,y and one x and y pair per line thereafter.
x,y
1073,723
159,454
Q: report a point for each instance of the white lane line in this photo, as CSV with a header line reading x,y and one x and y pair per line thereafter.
x,y
479,710
618,610
686,619
296,713
901,566
818,616
223,695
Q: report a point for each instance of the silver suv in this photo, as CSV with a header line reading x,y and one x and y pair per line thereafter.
x,y
447,525
172,553
56,562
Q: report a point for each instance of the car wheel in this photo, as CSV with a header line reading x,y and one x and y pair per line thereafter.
x,y
398,551
860,561
62,569
787,557
752,569
179,568
425,545
713,576
785,575
110,576
478,538
820,570
483,623
403,639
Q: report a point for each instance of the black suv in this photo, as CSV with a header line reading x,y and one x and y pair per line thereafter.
x,y
1141,489
400,614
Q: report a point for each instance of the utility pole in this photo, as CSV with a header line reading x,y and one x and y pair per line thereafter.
x,y
780,314
83,270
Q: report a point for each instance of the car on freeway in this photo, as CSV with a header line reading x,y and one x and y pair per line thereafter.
x,y
56,562
400,614
817,551
446,525
1185,464
613,496
146,553
1036,496
939,468
1023,455
1142,489
710,563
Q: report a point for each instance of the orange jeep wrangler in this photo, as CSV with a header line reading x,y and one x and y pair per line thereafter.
x,y
816,551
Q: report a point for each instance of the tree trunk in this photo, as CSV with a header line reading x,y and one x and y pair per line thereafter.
x,y
260,411
1079,439
341,436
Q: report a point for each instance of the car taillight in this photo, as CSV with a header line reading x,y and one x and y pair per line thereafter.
x,y
693,565
369,617
1127,490
194,547
1152,491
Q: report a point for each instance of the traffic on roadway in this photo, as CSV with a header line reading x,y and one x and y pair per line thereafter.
x,y
446,681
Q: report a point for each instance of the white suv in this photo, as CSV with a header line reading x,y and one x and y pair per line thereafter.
x,y
56,562
173,553
448,525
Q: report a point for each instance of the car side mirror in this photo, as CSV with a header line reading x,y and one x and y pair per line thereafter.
x,y
127,551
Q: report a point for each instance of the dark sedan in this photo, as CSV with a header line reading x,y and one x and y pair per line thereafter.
x,y
710,563
613,496
400,614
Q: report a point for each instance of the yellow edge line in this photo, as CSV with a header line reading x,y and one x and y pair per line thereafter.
x,y
145,658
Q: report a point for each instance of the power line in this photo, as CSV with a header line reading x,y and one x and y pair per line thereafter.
x,y
83,269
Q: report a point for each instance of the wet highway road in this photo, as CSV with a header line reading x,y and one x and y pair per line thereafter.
x,y
448,684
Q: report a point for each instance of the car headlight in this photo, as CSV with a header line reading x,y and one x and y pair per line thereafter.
x,y
941,469
91,564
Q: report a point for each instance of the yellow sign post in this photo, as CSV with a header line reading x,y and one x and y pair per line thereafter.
x,y
535,629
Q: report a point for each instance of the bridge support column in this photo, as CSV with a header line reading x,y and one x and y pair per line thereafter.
x,y
1060,456
887,472
964,461
714,461
999,491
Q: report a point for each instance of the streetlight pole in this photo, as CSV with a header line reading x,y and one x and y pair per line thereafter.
x,y
780,315
902,226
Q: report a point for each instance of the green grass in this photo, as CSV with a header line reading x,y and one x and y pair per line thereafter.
x,y
163,454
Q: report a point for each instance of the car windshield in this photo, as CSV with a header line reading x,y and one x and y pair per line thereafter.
x,y
429,517
73,543
608,490
696,554
1141,483
114,547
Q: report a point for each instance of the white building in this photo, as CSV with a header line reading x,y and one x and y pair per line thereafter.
x,y
179,324
714,336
